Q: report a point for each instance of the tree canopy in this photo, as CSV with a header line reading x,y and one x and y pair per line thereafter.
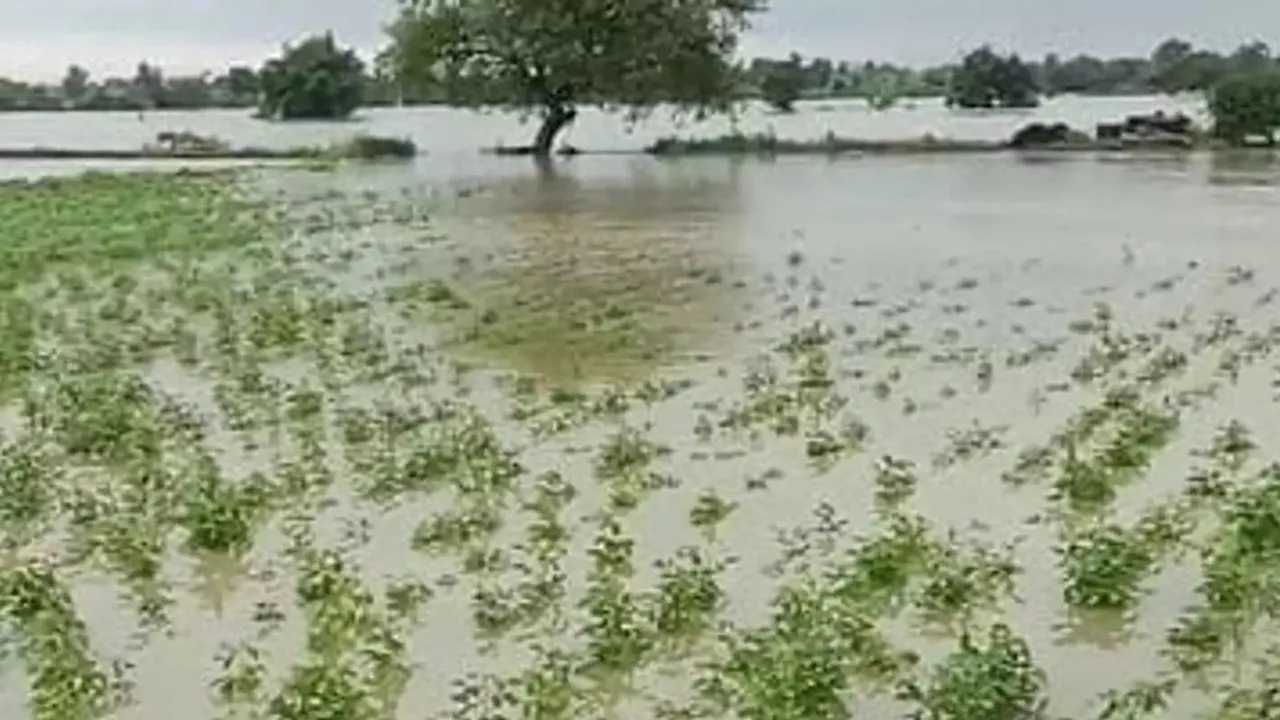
x,y
75,82
314,79
552,56
149,79
1247,106
987,80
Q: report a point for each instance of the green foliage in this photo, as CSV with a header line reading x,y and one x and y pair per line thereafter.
x,y
1240,578
987,80
1247,105
314,80
68,679
355,664
1177,66
219,516
798,667
1104,566
998,680
768,144
551,57
75,82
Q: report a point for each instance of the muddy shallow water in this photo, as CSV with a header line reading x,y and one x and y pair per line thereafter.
x,y
952,288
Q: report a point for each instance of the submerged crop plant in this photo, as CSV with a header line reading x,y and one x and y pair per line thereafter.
x,y
260,449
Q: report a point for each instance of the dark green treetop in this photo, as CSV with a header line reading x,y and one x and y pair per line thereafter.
x,y
985,79
314,80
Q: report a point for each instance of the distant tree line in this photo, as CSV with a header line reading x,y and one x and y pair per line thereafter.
x,y
315,78
434,57
985,78
1174,66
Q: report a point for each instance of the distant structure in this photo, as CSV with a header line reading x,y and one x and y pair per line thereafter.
x,y
1156,129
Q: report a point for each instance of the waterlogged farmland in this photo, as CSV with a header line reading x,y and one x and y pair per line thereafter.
x,y
279,445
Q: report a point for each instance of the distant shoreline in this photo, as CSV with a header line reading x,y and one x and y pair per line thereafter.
x,y
195,148
676,149
808,99
49,153
769,146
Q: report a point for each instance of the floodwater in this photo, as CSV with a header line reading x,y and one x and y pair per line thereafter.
x,y
450,137
711,262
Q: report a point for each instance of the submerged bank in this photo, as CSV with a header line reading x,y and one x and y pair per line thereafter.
x,y
188,146
667,147
51,153
767,144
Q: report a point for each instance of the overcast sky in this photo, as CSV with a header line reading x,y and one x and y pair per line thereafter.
x,y
39,38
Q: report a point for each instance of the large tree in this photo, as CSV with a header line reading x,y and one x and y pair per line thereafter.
x,y
75,83
148,83
987,80
549,57
313,80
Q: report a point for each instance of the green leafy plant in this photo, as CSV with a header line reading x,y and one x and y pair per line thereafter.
x,y
997,678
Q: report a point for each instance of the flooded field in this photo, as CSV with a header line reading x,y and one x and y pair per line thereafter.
x,y
451,137
948,438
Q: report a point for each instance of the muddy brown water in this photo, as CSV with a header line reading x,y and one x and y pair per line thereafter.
x,y
718,260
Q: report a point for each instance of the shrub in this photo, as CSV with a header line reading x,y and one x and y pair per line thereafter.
x,y
375,147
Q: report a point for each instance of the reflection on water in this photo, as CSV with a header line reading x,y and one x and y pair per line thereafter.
x,y
1244,169
582,280
1103,629
216,580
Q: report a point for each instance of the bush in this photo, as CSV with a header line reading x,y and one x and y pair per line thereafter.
x,y
375,147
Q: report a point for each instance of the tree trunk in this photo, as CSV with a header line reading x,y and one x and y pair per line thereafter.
x,y
558,117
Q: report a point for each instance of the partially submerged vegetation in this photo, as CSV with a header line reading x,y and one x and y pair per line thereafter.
x,y
770,144
245,415
1033,136
373,147
190,146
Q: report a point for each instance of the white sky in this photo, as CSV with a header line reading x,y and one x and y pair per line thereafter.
x,y
39,38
